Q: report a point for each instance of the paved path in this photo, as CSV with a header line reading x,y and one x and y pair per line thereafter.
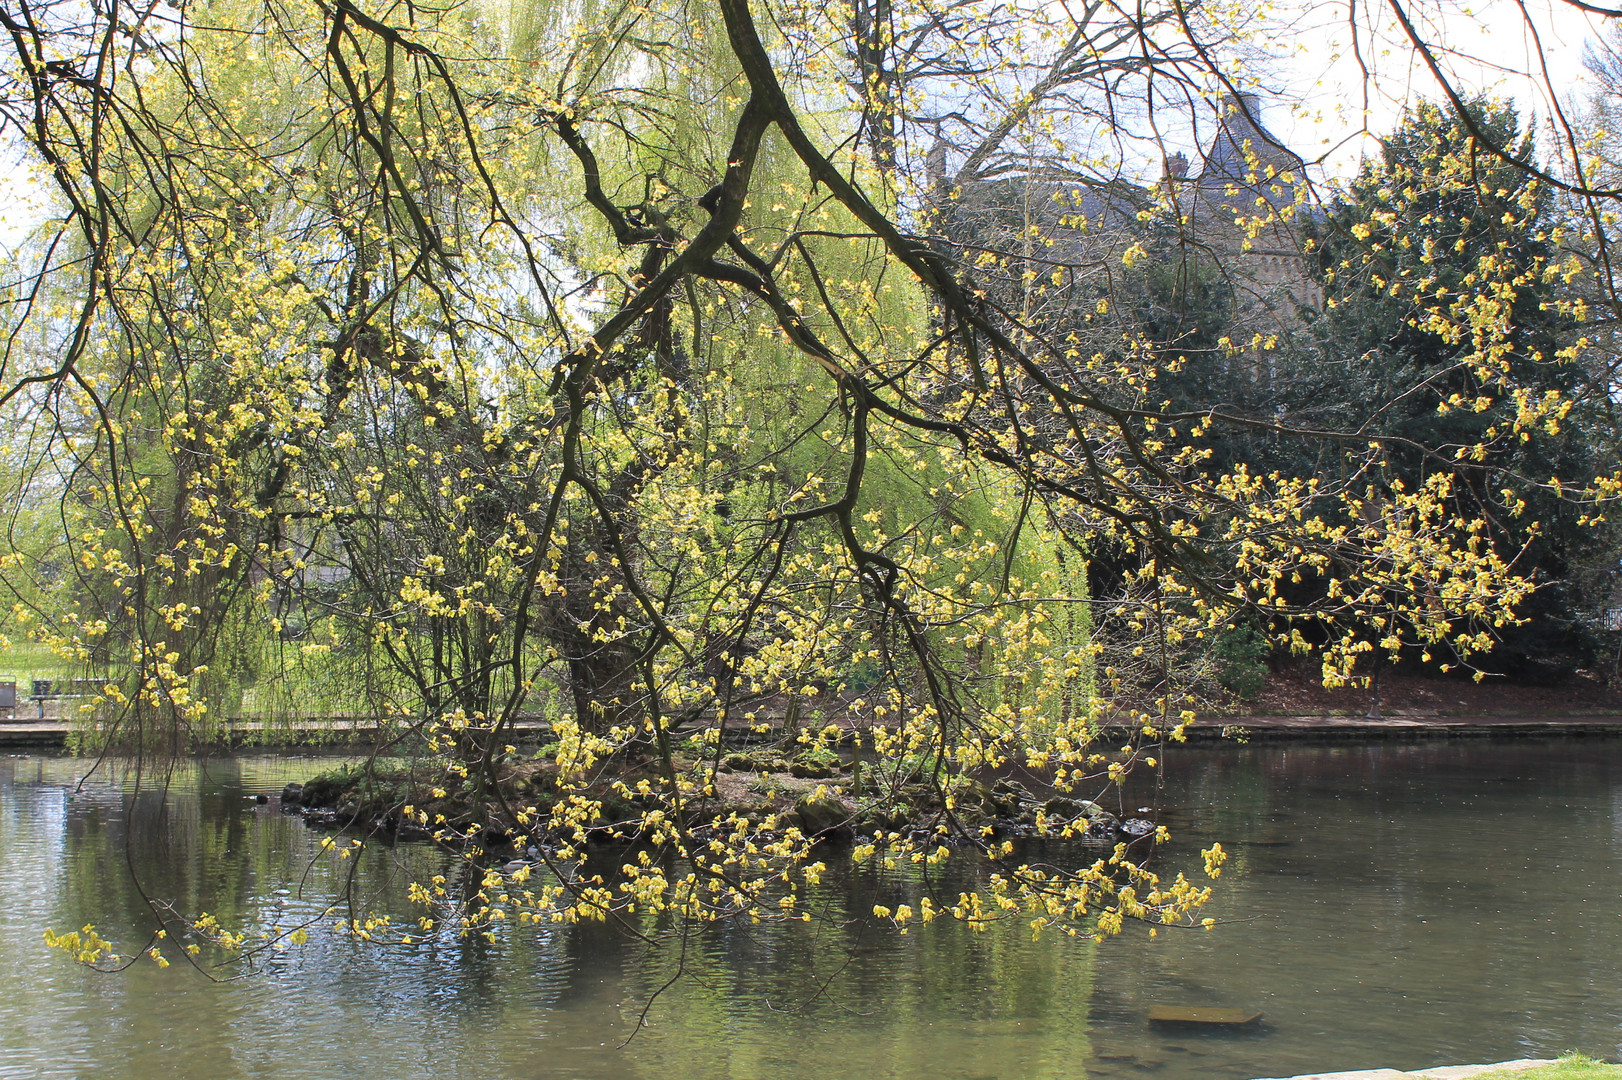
x,y
29,732
1446,1072
53,734
1407,726
33,733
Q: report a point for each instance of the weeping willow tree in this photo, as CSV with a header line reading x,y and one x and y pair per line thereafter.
x,y
446,363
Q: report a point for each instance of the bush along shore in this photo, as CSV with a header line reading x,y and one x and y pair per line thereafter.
x,y
819,792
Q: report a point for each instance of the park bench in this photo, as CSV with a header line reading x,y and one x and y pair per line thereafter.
x,y
43,690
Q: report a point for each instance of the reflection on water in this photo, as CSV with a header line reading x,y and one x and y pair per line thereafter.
x,y
1404,905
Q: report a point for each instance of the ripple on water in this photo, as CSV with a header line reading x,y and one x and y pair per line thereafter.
x,y
1391,905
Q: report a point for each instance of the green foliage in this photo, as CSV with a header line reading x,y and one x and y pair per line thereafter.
x,y
1400,251
818,755
1241,656
1568,1067
429,363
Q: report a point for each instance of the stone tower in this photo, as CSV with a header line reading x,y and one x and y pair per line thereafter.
x,y
1245,207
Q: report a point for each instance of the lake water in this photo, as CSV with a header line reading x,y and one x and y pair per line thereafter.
x,y
1402,905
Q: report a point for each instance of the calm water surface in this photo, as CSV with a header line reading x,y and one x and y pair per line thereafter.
x,y
1393,905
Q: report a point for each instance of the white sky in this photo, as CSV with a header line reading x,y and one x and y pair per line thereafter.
x,y
20,202
1314,90
1489,47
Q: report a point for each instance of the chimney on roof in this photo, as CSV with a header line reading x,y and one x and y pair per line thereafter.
x,y
1176,166
1247,105
935,163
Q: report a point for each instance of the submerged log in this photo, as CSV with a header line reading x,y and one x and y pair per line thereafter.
x,y
1176,1014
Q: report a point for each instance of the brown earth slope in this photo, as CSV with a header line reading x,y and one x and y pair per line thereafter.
x,y
1297,690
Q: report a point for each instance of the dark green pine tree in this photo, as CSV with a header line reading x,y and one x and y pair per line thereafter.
x,y
1423,217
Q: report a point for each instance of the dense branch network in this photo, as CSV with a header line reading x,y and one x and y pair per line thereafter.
x,y
601,373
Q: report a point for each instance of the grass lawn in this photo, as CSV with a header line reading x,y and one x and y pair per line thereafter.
x,y
1570,1067
26,660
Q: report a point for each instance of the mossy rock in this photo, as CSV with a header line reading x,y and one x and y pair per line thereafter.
x,y
536,778
324,789
918,794
813,767
879,817
822,815
1099,819
761,761
1009,797
969,790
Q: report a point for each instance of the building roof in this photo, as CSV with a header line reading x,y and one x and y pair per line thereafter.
x,y
1242,151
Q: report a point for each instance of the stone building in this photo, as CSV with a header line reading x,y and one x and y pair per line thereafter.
x,y
1244,210
1239,217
